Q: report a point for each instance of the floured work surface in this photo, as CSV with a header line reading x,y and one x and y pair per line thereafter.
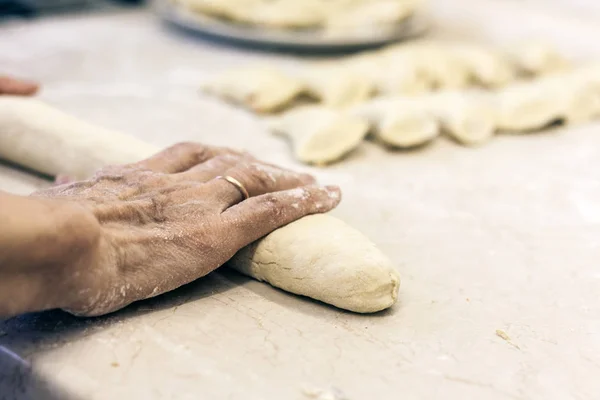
x,y
503,238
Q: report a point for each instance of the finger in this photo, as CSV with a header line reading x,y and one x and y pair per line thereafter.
x,y
257,179
17,86
181,157
259,216
212,168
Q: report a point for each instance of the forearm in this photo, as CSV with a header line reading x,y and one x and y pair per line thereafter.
x,y
38,245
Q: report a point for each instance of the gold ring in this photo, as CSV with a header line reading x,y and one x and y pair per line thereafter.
x,y
237,184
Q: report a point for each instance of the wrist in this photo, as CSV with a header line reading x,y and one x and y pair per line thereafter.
x,y
41,243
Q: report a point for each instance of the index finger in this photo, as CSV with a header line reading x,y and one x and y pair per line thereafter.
x,y
261,215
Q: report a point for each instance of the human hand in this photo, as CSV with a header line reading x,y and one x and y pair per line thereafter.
x,y
166,221
12,86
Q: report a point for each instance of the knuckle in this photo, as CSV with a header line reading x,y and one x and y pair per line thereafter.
x,y
191,150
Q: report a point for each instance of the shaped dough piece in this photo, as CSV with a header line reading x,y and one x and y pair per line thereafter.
x,y
486,67
261,89
227,9
530,105
337,264
368,15
320,135
583,102
284,14
437,65
401,123
47,140
388,73
321,257
468,117
534,57
337,87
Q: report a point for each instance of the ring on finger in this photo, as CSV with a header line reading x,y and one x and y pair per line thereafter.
x,y
237,184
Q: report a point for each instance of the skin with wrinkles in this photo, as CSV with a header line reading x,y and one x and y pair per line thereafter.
x,y
149,227
138,230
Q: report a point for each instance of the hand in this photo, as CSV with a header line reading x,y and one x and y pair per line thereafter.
x,y
166,221
19,87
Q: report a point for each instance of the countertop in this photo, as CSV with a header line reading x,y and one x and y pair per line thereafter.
x,y
500,238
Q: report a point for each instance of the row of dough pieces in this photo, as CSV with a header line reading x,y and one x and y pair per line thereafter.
x,y
321,135
407,69
330,15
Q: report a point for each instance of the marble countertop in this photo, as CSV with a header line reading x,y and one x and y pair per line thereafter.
x,y
505,237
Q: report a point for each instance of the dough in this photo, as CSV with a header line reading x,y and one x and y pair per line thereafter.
x,y
321,257
535,57
337,87
532,105
399,122
226,9
583,98
259,88
437,64
486,67
317,256
47,140
320,135
468,117
284,14
370,14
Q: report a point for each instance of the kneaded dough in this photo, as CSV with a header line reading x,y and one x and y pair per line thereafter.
x,y
320,135
323,258
342,266
44,139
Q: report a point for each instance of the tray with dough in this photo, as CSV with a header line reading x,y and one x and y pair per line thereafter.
x,y
292,39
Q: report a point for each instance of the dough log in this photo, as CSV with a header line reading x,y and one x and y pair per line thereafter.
x,y
321,257
44,139
317,256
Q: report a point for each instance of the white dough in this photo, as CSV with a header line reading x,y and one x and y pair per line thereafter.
x,y
261,89
532,105
321,257
320,135
468,117
317,256
535,57
337,87
486,67
47,140
370,14
399,122
583,98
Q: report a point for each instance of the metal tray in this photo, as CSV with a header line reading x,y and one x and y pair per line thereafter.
x,y
299,40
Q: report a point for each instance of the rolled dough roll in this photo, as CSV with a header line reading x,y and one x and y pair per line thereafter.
x,y
44,139
321,257
337,264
